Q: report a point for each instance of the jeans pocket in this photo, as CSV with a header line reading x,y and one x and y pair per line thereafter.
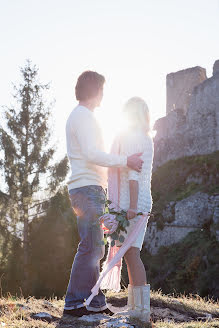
x,y
76,199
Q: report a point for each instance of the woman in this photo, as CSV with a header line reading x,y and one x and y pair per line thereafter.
x,y
130,191
134,197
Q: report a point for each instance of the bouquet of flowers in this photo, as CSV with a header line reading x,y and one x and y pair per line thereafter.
x,y
113,223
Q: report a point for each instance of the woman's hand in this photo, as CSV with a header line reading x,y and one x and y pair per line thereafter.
x,y
131,213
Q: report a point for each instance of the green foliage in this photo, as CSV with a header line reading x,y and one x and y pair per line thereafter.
x,y
170,181
160,223
53,244
187,190
189,266
27,158
54,241
25,139
11,270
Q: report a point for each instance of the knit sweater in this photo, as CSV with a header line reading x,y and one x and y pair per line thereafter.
x,y
136,141
85,150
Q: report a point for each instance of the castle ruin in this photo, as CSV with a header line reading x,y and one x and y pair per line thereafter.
x,y
191,124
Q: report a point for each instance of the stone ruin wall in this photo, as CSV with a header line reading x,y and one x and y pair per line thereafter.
x,y
191,126
189,215
179,87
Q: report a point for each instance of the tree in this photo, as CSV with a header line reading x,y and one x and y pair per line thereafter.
x,y
54,241
28,157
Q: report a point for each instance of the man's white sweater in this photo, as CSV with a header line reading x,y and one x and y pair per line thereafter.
x,y
85,149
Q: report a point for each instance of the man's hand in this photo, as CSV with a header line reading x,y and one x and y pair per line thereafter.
x,y
134,162
131,213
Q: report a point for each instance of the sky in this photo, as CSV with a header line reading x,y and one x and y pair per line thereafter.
x,y
133,43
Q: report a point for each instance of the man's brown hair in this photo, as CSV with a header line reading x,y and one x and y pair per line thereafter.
x,y
88,85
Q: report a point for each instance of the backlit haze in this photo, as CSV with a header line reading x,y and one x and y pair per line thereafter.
x,y
134,44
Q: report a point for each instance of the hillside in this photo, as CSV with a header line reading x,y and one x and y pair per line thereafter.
x,y
185,199
180,178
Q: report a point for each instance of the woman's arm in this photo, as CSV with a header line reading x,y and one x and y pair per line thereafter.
x,y
133,191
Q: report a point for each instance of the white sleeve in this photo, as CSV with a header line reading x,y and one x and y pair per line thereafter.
x,y
87,137
133,175
129,147
147,148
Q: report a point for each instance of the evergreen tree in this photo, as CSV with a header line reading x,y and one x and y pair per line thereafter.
x,y
27,157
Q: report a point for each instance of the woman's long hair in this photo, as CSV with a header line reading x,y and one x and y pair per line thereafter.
x,y
136,113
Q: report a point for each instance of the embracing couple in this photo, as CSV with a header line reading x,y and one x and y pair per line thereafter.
x,y
87,185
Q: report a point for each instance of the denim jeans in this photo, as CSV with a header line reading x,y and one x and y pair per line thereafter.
x,y
88,204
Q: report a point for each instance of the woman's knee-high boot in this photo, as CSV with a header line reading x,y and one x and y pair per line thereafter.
x,y
145,310
130,297
141,303
130,302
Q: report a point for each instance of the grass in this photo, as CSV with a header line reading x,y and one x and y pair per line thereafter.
x,y
189,266
212,324
167,311
169,182
192,304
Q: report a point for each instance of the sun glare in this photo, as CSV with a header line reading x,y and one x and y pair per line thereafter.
x,y
112,124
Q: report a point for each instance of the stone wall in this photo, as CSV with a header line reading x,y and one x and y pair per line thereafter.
x,y
216,67
191,127
189,214
191,130
180,85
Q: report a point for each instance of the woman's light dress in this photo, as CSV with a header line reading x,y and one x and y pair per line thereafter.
x,y
130,143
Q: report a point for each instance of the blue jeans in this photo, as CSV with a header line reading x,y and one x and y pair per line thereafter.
x,y
88,204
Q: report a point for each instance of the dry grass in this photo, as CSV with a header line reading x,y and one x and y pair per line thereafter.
x,y
192,304
212,324
178,312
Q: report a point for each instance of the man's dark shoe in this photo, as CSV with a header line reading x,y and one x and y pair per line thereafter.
x,y
107,311
79,312
83,311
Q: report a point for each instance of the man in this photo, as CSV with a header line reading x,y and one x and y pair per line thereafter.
x,y
86,191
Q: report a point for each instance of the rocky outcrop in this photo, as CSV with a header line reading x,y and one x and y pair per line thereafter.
x,y
215,226
191,126
216,67
180,85
182,217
